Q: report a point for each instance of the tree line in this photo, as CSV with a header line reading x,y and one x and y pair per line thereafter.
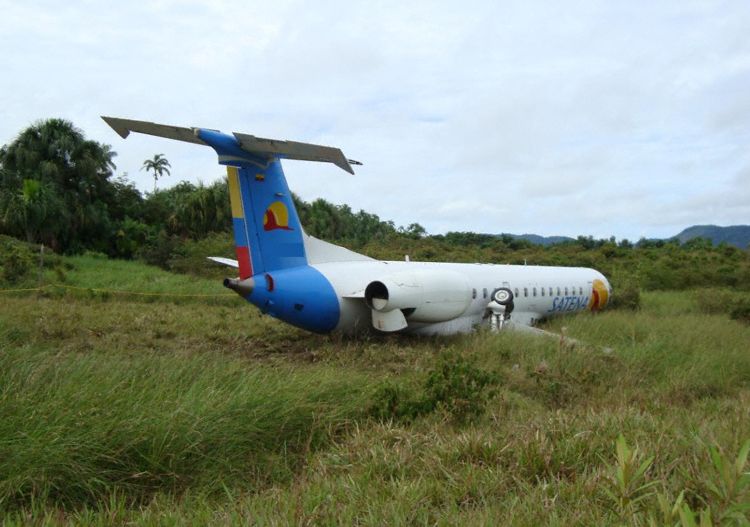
x,y
59,189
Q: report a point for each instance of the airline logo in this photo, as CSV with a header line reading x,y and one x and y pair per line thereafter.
x,y
276,217
599,296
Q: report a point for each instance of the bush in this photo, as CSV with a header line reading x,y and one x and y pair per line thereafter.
x,y
714,301
395,401
160,249
459,387
741,311
723,302
626,296
455,385
16,260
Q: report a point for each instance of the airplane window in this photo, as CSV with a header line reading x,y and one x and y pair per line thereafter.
x,y
558,292
484,293
542,291
580,290
525,291
516,293
534,291
550,291
473,293
566,291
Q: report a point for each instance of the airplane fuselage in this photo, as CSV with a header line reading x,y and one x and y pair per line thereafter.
x,y
327,297
539,291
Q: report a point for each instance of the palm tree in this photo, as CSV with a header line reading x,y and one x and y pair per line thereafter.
x,y
159,165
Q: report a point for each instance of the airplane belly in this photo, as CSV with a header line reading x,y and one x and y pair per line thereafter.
x,y
463,324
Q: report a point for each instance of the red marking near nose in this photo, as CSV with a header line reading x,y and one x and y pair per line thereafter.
x,y
595,305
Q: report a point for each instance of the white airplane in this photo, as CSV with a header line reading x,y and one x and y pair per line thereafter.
x,y
321,287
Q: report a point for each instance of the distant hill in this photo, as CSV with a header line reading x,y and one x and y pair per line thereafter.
x,y
540,240
737,235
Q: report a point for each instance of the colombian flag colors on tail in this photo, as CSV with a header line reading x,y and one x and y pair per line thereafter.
x,y
241,235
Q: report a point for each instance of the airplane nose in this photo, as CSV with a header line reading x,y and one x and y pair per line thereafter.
x,y
602,291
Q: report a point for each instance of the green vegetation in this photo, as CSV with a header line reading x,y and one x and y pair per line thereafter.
x,y
144,410
138,391
455,386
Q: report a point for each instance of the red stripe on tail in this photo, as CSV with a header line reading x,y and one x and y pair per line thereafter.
x,y
243,258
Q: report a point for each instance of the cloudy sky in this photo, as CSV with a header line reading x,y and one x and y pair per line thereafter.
x,y
582,117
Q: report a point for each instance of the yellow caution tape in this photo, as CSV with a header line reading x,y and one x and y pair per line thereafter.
x,y
118,292
18,290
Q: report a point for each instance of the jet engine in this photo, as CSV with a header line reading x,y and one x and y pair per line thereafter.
x,y
419,296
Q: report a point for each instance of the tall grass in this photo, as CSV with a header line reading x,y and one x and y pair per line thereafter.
x,y
152,413
76,428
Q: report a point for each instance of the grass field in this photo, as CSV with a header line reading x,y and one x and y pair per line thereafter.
x,y
120,409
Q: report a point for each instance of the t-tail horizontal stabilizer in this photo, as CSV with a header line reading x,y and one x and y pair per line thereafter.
x,y
235,145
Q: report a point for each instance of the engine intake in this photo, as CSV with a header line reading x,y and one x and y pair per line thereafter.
x,y
423,296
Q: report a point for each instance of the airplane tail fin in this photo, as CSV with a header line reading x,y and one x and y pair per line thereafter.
x,y
267,231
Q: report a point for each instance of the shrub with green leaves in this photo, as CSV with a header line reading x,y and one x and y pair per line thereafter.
x,y
455,385
630,490
626,296
741,311
629,485
459,386
16,260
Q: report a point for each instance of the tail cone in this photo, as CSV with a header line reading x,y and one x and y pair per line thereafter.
x,y
241,287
